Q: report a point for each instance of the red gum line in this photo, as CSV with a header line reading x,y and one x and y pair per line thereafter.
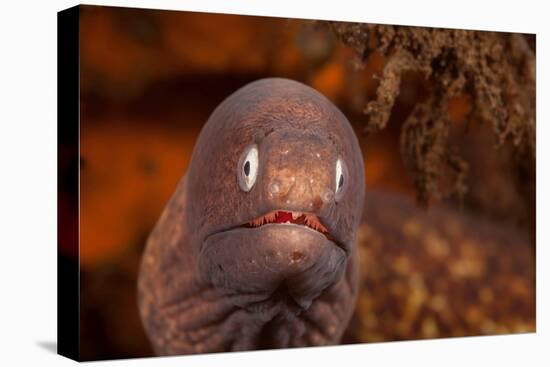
x,y
282,216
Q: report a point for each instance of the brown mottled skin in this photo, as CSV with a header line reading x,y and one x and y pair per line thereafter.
x,y
209,284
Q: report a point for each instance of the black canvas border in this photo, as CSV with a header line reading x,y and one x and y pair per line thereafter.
x,y
68,120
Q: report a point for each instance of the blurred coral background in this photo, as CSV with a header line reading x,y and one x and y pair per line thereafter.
x,y
149,80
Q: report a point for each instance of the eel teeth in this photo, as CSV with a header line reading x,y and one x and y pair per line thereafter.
x,y
313,222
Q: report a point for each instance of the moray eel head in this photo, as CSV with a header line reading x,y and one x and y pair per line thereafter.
x,y
281,187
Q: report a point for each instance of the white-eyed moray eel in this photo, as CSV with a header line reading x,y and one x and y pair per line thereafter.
x,y
255,249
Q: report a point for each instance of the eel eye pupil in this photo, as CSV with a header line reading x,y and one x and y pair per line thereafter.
x,y
247,168
341,181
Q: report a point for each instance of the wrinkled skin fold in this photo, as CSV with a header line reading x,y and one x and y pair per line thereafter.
x,y
242,262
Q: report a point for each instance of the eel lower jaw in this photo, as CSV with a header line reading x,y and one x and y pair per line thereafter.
x,y
288,217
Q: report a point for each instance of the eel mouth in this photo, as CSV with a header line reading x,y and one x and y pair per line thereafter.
x,y
305,219
284,216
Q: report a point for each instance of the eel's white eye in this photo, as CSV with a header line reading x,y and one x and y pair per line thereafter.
x,y
341,177
248,168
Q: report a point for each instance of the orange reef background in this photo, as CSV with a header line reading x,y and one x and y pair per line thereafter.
x,y
150,79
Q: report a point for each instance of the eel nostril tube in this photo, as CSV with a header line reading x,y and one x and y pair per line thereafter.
x,y
327,196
